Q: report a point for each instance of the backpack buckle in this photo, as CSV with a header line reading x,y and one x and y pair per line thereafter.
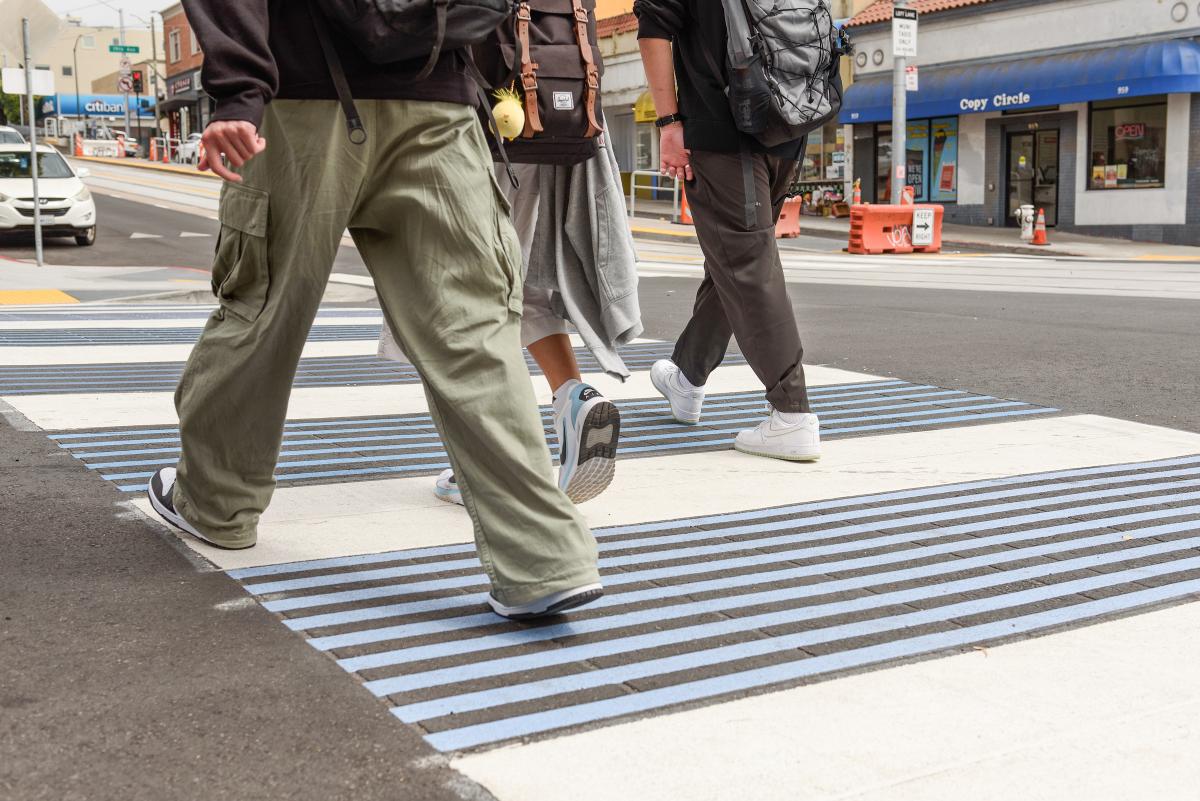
x,y
581,14
524,13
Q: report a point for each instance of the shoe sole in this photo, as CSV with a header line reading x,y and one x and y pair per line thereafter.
x,y
597,462
685,420
565,605
780,456
169,517
449,497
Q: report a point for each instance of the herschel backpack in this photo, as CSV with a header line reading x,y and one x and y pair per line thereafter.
x,y
782,67
546,52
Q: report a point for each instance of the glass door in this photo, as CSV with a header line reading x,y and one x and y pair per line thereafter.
x,y
1033,173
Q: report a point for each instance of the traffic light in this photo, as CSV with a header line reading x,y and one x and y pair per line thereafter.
x,y
137,82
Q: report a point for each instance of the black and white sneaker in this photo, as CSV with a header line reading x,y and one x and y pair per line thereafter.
x,y
160,490
588,427
552,604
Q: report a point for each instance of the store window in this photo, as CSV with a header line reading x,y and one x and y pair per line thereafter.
x,y
1129,144
824,155
931,163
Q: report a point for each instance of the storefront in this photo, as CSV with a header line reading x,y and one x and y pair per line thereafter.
x,y
84,113
187,107
1100,138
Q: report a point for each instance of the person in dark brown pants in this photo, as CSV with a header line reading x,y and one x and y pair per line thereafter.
x,y
736,189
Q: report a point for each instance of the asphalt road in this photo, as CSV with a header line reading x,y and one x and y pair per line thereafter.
x,y
144,234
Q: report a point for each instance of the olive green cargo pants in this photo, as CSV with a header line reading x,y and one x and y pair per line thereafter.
x,y
421,202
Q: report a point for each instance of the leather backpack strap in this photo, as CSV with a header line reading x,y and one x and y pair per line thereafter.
x,y
533,121
592,93
439,37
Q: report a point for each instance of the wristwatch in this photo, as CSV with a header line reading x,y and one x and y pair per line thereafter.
x,y
663,122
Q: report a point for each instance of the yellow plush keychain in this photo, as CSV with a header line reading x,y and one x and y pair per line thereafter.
x,y
509,114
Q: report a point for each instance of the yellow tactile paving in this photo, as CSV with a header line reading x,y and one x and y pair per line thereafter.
x,y
30,297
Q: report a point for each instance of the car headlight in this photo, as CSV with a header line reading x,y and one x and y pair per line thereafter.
x,y
83,194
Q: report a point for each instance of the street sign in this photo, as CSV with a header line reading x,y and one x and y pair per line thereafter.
x,y
904,33
120,48
922,227
911,79
125,84
126,65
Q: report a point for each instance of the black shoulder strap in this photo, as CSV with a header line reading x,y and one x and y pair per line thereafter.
x,y
354,125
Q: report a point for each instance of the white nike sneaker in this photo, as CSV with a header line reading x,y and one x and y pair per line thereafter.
x,y
552,604
775,438
446,488
588,427
686,400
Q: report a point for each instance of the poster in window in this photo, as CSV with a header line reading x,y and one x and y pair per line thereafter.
x,y
918,159
944,159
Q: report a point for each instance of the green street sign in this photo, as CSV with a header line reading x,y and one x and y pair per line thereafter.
x,y
124,49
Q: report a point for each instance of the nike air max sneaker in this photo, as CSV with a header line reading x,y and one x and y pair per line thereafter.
x,y
588,426
552,604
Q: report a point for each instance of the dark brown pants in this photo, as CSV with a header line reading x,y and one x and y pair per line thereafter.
x,y
735,200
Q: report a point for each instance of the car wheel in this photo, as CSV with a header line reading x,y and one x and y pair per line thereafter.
x,y
87,238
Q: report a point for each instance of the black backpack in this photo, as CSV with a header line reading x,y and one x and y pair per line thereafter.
x,y
389,31
546,51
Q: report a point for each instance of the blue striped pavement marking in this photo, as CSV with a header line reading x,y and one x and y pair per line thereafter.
x,y
379,447
312,372
64,337
753,600
536,723
1103,475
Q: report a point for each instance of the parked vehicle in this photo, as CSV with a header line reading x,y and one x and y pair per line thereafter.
x,y
132,147
66,207
10,136
188,151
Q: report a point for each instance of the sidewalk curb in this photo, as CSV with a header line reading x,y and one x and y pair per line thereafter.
x,y
142,164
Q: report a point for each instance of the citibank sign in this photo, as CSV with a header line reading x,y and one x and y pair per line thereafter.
x,y
998,101
103,107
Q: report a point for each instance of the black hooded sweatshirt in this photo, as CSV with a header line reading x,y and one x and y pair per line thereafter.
x,y
258,50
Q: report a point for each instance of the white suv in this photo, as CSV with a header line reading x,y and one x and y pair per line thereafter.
x,y
66,206
10,136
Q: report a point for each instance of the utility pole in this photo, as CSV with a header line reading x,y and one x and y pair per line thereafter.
x,y
121,18
154,76
75,72
33,154
899,108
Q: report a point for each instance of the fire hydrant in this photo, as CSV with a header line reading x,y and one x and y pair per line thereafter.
x,y
1025,217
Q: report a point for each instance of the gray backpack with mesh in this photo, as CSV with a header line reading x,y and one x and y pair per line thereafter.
x,y
782,67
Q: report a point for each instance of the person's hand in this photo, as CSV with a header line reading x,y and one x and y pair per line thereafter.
x,y
676,159
237,140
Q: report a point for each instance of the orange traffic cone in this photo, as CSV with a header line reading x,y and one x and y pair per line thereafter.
x,y
685,211
153,149
1039,230
857,191
78,144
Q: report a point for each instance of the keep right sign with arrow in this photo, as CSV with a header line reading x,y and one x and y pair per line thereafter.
x,y
922,227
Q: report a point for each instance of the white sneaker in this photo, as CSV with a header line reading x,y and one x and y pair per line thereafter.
x,y
446,488
551,604
588,426
777,438
686,400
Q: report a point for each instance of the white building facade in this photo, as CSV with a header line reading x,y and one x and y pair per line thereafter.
x,y
1089,109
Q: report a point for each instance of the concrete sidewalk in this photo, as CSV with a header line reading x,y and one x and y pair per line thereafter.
x,y
657,225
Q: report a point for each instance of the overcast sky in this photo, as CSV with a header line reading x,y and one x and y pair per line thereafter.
x,y
97,13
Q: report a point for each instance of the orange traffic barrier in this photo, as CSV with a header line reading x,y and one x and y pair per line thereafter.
x,y
78,144
885,228
1039,230
788,224
685,211
153,149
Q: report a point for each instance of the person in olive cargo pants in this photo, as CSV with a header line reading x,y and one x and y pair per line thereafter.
x,y
421,202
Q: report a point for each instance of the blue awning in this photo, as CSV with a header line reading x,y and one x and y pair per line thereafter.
x,y
1151,68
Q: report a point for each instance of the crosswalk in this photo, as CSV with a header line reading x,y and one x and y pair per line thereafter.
x,y
940,522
